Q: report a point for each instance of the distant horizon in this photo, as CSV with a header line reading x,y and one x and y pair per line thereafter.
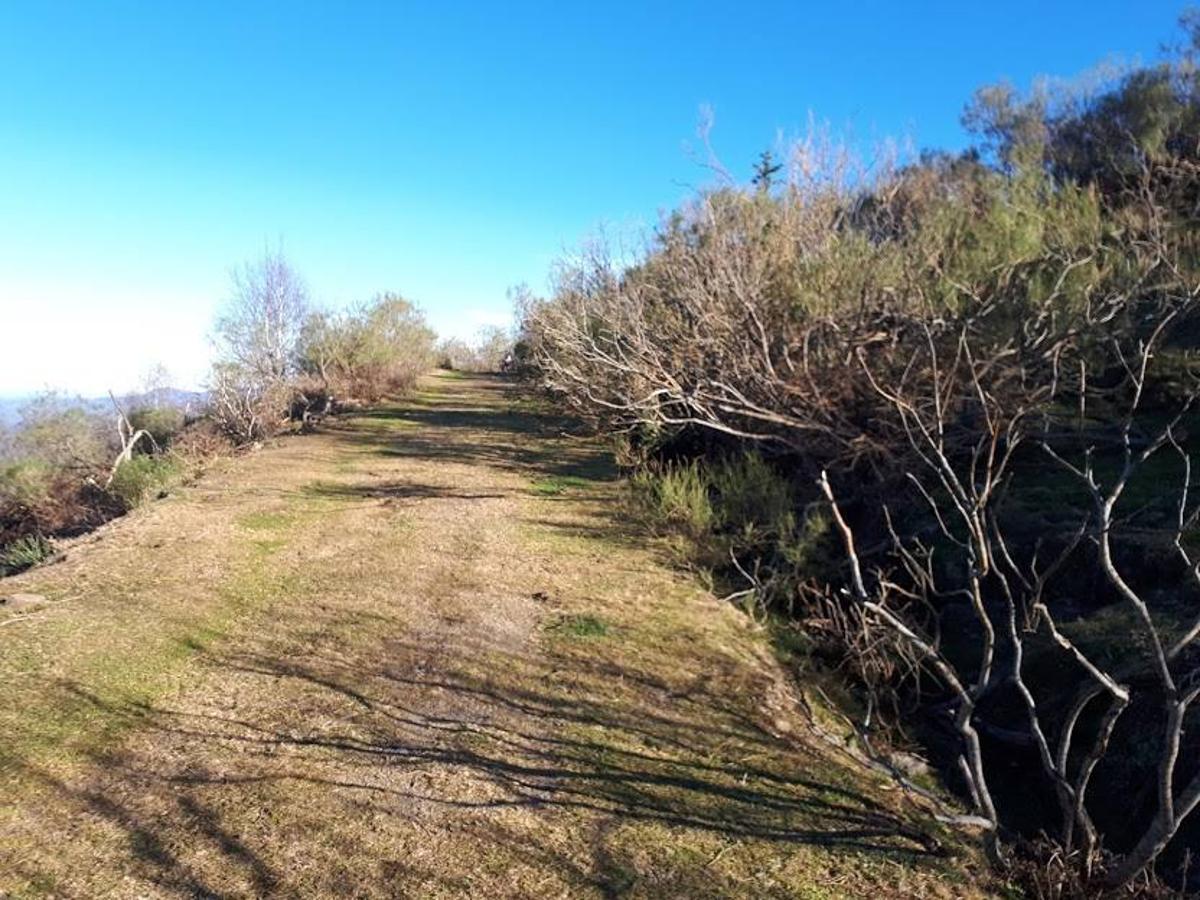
x,y
446,155
102,396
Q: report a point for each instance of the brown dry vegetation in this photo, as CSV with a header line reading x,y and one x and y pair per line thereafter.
x,y
940,418
415,655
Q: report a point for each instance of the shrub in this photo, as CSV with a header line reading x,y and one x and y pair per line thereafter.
x,y
257,337
199,441
162,423
492,345
455,355
741,497
24,553
751,497
677,495
935,345
377,348
259,328
142,478
245,407
63,435
26,483
36,497
486,353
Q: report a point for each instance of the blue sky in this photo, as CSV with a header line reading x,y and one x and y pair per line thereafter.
x,y
445,150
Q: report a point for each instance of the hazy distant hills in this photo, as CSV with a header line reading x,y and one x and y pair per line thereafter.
x,y
189,401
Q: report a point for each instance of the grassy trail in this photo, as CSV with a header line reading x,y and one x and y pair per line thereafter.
x,y
416,655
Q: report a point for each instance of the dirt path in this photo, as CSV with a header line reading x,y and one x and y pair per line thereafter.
x,y
415,655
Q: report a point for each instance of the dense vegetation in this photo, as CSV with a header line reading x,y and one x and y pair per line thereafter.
x,y
939,416
65,469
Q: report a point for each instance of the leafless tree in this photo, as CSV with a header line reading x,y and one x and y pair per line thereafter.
x,y
1011,596
260,325
758,318
256,338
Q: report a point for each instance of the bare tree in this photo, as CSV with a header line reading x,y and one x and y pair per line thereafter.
x,y
256,337
825,324
261,323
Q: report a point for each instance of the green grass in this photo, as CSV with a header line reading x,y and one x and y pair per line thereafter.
x,y
559,484
265,521
582,626
269,546
110,690
115,688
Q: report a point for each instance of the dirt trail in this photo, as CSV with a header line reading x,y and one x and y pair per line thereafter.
x,y
416,655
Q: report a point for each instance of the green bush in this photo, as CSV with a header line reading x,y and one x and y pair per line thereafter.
x,y
752,497
742,497
63,434
812,550
677,496
740,506
367,352
141,478
162,423
24,553
27,483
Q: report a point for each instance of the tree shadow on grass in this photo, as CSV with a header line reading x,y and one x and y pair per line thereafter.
x,y
395,491
556,756
152,839
611,745
499,432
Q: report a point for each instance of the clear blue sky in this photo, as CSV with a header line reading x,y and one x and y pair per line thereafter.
x,y
446,151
